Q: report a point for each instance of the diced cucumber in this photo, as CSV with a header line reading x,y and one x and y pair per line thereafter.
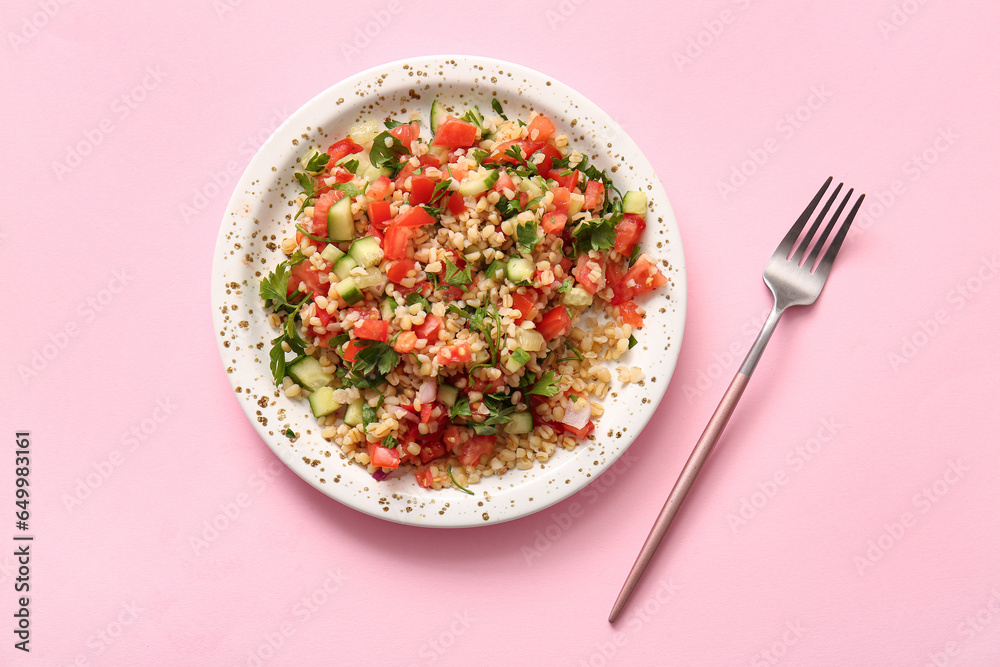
x,y
331,253
520,269
634,202
474,116
495,271
373,277
307,372
343,266
529,186
372,173
479,184
349,292
520,422
438,114
529,340
340,221
364,131
322,403
577,296
352,416
517,359
389,308
362,159
447,394
366,251
575,205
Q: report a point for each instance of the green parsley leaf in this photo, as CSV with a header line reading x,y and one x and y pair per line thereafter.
x,y
457,277
508,208
499,109
391,124
307,182
368,416
527,236
596,235
390,442
566,286
546,386
636,251
351,166
632,342
461,408
349,189
388,156
478,154
289,433
317,163
495,270
417,297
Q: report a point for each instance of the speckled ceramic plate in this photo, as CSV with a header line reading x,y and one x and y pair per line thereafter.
x,y
259,216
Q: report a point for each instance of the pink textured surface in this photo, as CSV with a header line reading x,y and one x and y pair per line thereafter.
x,y
863,456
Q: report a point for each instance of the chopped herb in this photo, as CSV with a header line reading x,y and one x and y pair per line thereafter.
x,y
391,124
527,236
520,356
368,416
317,163
495,270
302,230
388,156
478,154
274,288
455,276
457,485
547,385
574,398
289,433
351,166
349,189
417,297
371,364
508,208
597,235
290,335
636,251
390,442
576,355
461,408
566,286
309,187
498,108
632,342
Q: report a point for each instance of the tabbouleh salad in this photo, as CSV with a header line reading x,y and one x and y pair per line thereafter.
x,y
438,305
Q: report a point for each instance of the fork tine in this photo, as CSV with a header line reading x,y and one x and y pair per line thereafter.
x,y
800,251
785,247
831,254
811,261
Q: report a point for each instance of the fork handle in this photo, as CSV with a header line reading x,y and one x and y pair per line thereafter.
x,y
699,455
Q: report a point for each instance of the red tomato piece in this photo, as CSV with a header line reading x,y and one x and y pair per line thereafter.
x,y
432,452
475,447
421,189
589,272
379,189
379,213
613,271
372,330
343,148
545,166
500,155
560,199
398,269
555,323
405,342
451,437
320,209
429,329
404,174
554,222
383,457
504,182
456,204
424,478
594,196
627,233
546,128
628,313
526,304
568,181
425,412
394,242
415,216
643,277
305,272
457,353
351,350
455,133
406,133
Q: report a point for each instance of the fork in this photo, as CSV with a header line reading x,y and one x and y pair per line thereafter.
x,y
795,279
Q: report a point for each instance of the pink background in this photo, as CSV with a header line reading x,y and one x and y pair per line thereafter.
x,y
884,391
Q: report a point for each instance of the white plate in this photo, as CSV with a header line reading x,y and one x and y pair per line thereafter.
x,y
259,217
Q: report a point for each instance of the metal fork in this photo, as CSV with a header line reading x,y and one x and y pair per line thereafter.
x,y
793,282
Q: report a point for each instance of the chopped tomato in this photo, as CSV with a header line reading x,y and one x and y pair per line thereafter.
x,y
457,353
406,133
567,181
305,272
613,271
589,272
429,329
451,437
643,277
379,189
320,209
484,386
456,203
580,433
560,199
343,148
425,412
379,213
394,242
398,269
475,447
627,232
628,313
504,182
554,222
594,196
405,342
404,174
500,155
545,166
372,330
526,304
546,128
383,457
421,189
415,216
430,160
424,478
432,452
455,172
351,350
323,316
554,323
455,133
343,176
